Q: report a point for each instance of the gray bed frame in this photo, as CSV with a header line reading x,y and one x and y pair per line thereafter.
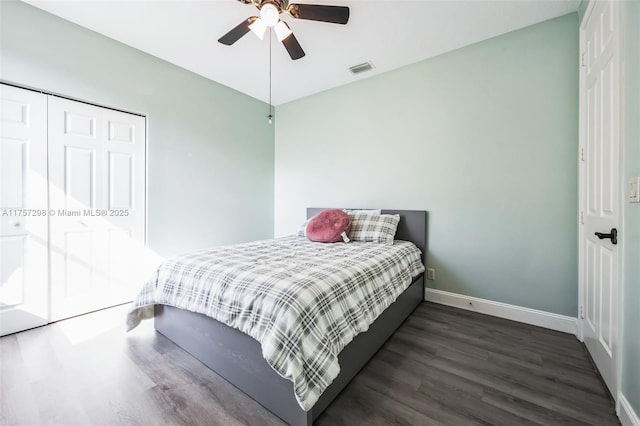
x,y
238,358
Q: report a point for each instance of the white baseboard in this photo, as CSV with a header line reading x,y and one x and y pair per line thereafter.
x,y
512,312
626,414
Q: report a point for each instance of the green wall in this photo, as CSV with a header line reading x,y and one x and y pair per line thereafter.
x,y
631,225
210,149
485,138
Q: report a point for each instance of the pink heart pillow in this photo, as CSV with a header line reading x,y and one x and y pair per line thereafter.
x,y
328,226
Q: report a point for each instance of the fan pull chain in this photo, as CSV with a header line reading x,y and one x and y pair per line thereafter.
x,y
270,116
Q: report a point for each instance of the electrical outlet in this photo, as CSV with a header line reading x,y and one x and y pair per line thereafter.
x,y
431,274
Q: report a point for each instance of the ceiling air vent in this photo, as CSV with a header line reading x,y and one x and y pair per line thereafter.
x,y
360,68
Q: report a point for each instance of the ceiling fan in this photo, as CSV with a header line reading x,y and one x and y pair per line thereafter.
x,y
270,11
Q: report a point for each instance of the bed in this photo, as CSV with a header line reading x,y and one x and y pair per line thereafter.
x,y
239,358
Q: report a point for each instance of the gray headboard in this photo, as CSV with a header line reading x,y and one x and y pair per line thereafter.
x,y
412,226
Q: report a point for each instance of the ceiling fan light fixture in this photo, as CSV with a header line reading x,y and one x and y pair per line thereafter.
x,y
258,28
282,30
269,14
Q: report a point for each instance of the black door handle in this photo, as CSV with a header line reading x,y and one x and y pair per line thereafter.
x,y
613,235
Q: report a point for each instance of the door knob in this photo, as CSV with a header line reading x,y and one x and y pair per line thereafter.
x,y
613,235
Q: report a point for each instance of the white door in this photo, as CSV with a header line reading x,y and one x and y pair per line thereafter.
x,y
24,295
600,184
97,194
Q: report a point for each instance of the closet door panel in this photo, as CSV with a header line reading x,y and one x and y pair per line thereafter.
x,y
125,200
24,292
97,172
79,178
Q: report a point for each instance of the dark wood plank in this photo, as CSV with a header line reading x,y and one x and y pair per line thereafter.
x,y
443,366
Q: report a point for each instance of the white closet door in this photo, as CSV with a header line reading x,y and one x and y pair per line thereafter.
x,y
24,295
97,191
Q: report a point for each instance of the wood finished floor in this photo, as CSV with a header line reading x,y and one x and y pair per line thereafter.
x,y
443,366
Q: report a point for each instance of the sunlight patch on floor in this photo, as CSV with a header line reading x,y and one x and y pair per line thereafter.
x,y
86,327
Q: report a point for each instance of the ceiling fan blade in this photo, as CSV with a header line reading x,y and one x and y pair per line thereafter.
x,y
293,47
236,34
318,12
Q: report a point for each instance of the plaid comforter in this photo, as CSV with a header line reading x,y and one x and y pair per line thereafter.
x,y
303,301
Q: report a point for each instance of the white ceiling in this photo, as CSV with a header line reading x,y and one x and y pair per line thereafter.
x,y
389,34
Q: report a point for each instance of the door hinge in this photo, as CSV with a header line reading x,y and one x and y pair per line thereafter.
x,y
582,60
581,312
581,217
581,154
